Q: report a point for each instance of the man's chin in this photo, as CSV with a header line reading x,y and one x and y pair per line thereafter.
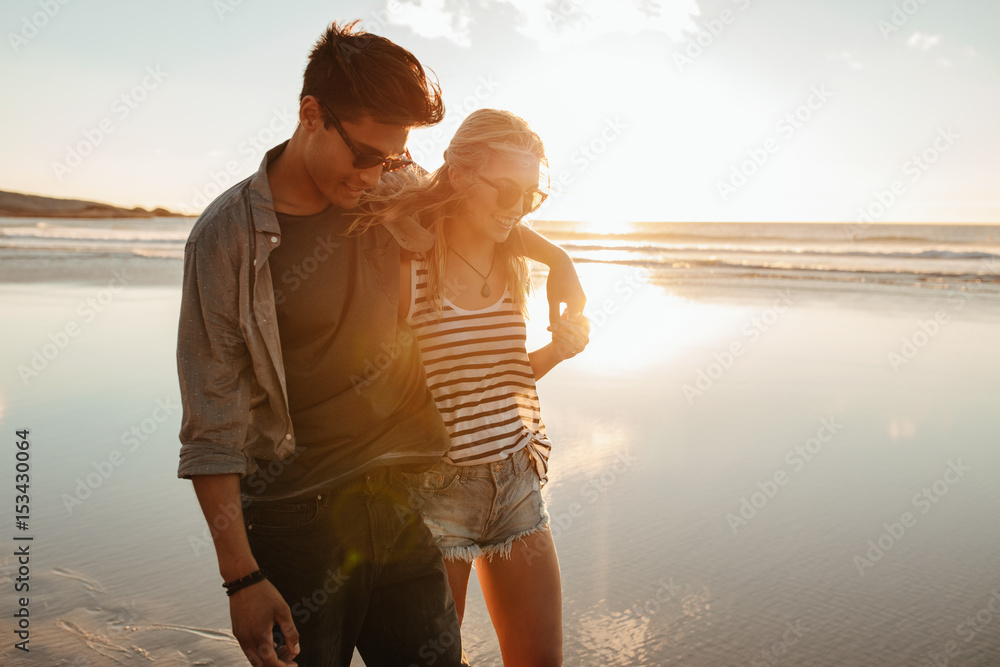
x,y
347,201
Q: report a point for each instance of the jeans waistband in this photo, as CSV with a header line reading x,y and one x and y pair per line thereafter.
x,y
372,481
515,463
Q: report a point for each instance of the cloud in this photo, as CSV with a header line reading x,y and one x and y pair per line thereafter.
x,y
846,58
551,24
432,19
918,40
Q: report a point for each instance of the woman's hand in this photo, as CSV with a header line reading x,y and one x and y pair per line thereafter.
x,y
571,335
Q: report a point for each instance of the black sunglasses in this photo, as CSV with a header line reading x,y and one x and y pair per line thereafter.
x,y
391,163
508,194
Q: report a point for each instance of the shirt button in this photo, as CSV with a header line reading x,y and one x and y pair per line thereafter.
x,y
288,436
274,239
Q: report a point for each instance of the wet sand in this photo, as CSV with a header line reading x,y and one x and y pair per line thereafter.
x,y
733,469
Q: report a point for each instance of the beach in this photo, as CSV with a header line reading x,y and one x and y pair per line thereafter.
x,y
765,456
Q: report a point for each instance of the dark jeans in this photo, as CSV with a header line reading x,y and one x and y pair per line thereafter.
x,y
357,566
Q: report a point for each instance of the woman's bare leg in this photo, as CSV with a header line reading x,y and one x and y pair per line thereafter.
x,y
458,579
524,597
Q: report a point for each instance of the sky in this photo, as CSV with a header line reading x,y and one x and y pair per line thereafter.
x,y
651,110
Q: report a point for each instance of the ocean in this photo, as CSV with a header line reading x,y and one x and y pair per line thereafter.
x,y
932,256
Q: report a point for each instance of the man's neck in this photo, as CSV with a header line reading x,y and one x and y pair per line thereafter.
x,y
292,189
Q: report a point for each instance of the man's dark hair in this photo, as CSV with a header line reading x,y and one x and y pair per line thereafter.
x,y
359,74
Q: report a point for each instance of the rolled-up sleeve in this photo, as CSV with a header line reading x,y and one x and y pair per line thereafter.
x,y
213,363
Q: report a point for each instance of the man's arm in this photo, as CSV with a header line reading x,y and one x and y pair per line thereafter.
x,y
255,609
214,370
562,285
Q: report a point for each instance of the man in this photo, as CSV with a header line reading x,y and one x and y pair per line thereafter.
x,y
296,444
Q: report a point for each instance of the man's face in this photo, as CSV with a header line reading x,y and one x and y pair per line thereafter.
x,y
329,161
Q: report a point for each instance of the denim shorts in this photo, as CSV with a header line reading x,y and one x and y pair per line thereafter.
x,y
480,510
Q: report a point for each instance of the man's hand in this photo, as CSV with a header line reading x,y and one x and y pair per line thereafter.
x,y
254,611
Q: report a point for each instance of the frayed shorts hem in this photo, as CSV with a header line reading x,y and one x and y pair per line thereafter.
x,y
470,553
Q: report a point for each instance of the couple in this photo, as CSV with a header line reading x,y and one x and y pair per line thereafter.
x,y
394,420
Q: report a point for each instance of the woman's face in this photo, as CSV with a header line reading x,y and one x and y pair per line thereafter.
x,y
484,214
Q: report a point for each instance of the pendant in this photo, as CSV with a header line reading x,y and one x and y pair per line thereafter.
x,y
486,290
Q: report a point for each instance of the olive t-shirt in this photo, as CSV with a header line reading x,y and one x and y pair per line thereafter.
x,y
357,393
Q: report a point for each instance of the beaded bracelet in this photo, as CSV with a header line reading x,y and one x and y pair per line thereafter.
x,y
252,578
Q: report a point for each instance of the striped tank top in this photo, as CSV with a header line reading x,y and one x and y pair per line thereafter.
x,y
478,372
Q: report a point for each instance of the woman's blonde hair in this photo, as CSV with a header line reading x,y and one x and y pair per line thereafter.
x,y
434,202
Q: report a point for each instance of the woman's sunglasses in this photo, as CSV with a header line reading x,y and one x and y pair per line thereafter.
x,y
509,194
391,163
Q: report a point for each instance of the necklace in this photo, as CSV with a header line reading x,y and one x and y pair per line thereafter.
x,y
486,286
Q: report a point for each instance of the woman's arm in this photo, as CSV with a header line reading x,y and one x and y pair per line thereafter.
x,y
569,337
543,360
562,285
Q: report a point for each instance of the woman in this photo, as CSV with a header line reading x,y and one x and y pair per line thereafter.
x,y
467,305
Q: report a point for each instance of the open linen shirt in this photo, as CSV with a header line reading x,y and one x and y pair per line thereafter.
x,y
232,378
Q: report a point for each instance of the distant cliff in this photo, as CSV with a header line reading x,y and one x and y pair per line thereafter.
x,y
17,205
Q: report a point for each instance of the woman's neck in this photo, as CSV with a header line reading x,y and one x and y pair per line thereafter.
x,y
476,248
